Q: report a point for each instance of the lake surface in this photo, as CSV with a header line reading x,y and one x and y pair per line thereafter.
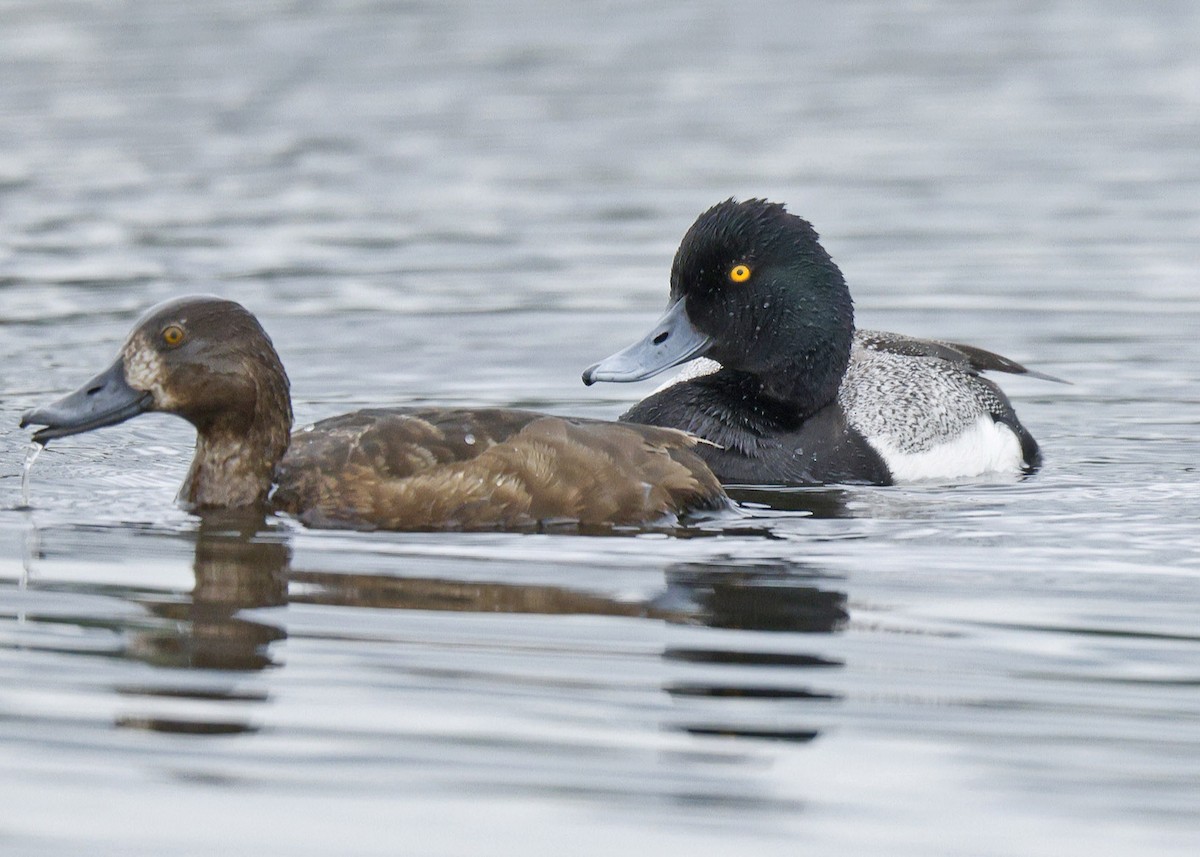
x,y
468,203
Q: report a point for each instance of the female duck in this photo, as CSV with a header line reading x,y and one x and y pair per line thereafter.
x,y
209,361
795,394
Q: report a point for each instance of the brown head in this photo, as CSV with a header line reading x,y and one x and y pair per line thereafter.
x,y
209,361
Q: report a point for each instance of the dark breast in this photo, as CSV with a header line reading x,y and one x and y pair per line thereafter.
x,y
756,445
401,469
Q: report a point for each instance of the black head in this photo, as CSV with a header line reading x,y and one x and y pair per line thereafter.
x,y
203,358
753,289
757,281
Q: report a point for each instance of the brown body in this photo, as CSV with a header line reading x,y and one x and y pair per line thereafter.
x,y
488,469
209,361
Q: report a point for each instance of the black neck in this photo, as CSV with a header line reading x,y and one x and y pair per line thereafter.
x,y
729,408
808,377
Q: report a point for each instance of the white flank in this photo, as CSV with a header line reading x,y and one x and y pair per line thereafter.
x,y
985,446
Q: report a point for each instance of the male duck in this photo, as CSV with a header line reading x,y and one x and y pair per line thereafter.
x,y
795,394
209,361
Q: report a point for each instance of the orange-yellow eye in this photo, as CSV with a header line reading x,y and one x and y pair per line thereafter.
x,y
173,335
739,273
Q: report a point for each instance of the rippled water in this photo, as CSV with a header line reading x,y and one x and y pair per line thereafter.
x,y
467,204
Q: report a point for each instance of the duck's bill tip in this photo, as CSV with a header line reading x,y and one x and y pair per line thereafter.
x,y
673,340
105,400
614,370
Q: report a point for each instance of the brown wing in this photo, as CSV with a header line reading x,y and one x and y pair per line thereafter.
x,y
967,356
488,469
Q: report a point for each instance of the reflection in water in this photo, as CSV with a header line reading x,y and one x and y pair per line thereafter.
x,y
238,566
234,570
200,639
763,659
819,501
721,680
334,588
30,548
780,598
775,598
770,597
761,598
656,688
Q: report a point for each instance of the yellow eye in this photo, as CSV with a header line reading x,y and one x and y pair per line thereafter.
x,y
173,335
739,273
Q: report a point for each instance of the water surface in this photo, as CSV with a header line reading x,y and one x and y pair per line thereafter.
x,y
459,203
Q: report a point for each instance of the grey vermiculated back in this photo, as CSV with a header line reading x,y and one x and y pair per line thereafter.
x,y
884,393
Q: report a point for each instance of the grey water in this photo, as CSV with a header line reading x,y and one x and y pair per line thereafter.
x,y
468,203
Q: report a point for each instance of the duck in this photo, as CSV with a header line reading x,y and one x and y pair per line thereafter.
x,y
209,361
788,390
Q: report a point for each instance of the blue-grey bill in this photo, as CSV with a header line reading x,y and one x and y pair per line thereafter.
x,y
105,400
673,340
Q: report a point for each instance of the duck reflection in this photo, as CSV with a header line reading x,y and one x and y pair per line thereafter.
x,y
770,680
819,501
239,564
773,596
782,598
766,598
731,684
336,588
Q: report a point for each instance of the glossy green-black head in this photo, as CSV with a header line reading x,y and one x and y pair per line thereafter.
x,y
753,289
759,284
203,358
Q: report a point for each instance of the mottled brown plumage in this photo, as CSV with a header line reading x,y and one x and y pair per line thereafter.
x,y
209,361
460,469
